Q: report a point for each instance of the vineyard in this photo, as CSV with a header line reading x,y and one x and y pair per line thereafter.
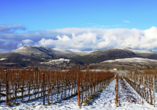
x,y
22,85
144,84
58,89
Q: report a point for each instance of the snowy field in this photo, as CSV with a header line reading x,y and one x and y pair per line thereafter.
x,y
135,59
128,100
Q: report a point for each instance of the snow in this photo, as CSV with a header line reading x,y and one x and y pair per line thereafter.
x,y
136,51
135,59
57,61
104,101
60,59
67,50
74,50
82,53
62,50
22,48
3,59
27,48
142,51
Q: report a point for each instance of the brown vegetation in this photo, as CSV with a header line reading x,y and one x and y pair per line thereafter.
x,y
61,83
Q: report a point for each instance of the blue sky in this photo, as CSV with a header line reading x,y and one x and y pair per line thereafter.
x,y
29,21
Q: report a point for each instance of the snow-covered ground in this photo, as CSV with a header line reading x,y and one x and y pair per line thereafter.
x,y
56,61
135,59
3,59
128,100
136,51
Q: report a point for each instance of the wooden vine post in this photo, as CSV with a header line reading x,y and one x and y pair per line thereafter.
x,y
154,89
43,89
78,85
117,90
6,82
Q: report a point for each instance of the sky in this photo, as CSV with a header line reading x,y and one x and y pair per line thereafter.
x,y
78,24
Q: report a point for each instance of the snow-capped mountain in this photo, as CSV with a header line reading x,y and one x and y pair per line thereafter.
x,y
34,51
73,51
132,60
46,54
41,51
137,51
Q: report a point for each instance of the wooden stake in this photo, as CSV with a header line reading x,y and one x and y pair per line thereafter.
x,y
43,89
6,82
154,89
117,90
78,84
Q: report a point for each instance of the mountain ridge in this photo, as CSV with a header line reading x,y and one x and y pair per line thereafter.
x,y
45,54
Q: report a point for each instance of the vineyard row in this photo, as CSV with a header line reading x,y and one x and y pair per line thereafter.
x,y
144,84
25,85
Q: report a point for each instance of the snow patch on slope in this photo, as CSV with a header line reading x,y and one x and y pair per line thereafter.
x,y
135,51
81,53
56,61
74,50
3,59
84,53
135,59
23,48
62,50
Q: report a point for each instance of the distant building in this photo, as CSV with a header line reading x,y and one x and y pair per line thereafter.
x,y
114,68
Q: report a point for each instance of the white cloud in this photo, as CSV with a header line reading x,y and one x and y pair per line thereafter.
x,y
8,28
64,38
46,42
86,38
19,45
126,21
27,41
104,38
103,44
149,39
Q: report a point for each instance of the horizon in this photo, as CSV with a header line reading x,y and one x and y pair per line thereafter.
x,y
80,50
83,25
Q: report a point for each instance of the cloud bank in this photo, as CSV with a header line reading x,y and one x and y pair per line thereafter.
x,y
80,38
11,28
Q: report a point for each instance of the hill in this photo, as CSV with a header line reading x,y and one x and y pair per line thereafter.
x,y
34,55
